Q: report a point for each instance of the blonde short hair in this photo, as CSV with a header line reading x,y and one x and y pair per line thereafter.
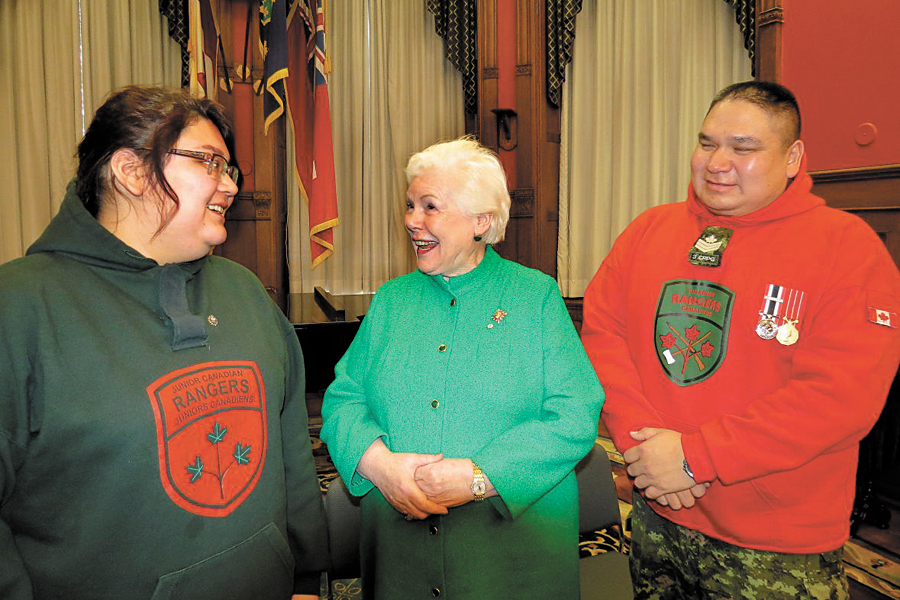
x,y
482,185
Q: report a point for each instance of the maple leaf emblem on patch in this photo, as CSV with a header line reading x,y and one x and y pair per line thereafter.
x,y
667,341
241,454
691,337
216,436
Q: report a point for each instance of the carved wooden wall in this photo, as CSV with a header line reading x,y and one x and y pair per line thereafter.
x,y
769,22
531,236
257,219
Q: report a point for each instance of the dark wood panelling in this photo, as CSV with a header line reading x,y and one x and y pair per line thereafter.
x,y
576,311
872,193
531,236
769,22
257,220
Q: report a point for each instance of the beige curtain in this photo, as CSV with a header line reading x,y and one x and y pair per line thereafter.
x,y
637,89
392,93
56,66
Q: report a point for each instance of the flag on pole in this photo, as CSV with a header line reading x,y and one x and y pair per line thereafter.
x,y
273,47
293,46
310,116
203,42
323,215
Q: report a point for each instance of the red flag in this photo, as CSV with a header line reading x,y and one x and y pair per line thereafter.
x,y
310,116
203,45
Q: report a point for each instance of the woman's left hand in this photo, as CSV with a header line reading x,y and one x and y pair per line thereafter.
x,y
448,482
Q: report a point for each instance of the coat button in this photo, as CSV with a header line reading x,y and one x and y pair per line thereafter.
x,y
453,302
435,403
435,592
442,348
433,530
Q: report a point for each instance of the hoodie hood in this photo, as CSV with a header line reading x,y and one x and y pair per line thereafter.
x,y
75,233
794,200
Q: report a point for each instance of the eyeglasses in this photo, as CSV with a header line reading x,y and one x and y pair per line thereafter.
x,y
216,165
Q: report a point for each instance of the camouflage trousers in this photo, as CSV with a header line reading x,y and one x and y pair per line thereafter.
x,y
669,561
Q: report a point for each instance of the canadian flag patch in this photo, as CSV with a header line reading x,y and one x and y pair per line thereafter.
x,y
881,317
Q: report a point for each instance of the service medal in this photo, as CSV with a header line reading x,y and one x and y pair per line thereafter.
x,y
768,312
767,328
787,334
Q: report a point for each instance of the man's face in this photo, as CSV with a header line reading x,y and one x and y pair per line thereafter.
x,y
741,163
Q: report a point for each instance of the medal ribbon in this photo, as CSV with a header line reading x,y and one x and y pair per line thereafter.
x,y
794,304
772,300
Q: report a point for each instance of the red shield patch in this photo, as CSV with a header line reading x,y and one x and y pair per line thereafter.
x,y
211,433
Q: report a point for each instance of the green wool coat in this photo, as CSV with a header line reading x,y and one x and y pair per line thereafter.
x,y
485,366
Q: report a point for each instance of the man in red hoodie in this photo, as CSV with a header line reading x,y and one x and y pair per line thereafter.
x,y
746,339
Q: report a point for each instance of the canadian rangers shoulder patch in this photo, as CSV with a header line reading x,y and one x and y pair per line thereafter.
x,y
211,434
691,331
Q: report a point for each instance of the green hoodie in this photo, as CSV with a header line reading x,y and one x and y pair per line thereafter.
x,y
153,427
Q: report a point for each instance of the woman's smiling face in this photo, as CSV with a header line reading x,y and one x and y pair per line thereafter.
x,y
442,234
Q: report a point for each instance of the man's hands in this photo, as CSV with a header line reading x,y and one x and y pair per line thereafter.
x,y
657,465
419,485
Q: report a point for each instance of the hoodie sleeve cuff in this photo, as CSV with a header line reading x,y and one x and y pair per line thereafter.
x,y
698,458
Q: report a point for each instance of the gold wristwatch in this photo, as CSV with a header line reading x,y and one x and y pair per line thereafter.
x,y
479,487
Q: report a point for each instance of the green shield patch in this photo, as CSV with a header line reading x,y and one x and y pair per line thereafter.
x,y
691,334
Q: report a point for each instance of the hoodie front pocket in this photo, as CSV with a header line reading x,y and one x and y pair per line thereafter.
x,y
260,567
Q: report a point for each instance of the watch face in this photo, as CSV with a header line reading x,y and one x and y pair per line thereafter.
x,y
479,488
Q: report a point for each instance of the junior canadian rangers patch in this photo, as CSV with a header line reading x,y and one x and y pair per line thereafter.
x,y
691,333
211,434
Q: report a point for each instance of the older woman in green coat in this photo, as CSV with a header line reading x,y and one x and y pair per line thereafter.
x,y
464,403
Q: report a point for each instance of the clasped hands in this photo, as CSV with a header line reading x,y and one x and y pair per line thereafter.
x,y
418,485
657,466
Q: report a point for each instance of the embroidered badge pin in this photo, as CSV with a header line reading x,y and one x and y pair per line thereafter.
x,y
211,434
691,330
880,316
709,247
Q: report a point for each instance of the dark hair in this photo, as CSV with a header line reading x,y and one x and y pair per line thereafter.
x,y
147,120
772,97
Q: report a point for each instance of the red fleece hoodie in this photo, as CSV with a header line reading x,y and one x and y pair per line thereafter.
x,y
774,428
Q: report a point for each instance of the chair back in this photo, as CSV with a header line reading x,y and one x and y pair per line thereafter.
x,y
598,503
604,576
342,511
